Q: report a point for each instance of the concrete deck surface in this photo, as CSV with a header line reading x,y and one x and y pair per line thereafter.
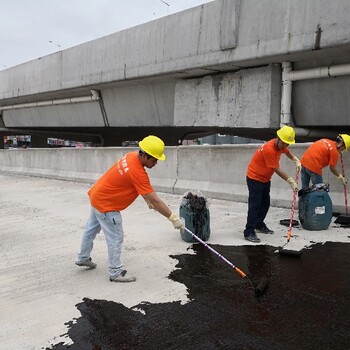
x,y
40,230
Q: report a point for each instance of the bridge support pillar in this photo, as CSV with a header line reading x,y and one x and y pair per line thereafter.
x,y
38,141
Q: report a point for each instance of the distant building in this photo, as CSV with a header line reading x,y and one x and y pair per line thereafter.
x,y
24,141
222,139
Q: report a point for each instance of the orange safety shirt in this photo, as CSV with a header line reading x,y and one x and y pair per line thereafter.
x,y
116,189
264,161
320,154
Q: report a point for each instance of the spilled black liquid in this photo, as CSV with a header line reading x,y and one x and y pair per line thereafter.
x,y
307,305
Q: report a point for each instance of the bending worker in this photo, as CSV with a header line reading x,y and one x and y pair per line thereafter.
x,y
320,154
264,163
115,191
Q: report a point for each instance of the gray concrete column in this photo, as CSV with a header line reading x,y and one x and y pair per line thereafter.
x,y
38,141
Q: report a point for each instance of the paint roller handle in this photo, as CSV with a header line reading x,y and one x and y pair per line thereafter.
x,y
346,201
240,272
289,234
345,190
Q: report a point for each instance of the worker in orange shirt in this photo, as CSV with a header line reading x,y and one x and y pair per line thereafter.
x,y
264,163
116,190
320,154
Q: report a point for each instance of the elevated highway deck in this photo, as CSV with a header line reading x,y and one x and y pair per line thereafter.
x,y
213,68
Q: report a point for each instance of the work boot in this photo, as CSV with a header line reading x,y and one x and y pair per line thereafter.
x,y
88,263
123,277
252,238
265,230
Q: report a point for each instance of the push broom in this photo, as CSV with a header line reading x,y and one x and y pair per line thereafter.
x,y
261,287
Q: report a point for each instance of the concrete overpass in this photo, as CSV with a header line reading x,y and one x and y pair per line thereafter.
x,y
228,66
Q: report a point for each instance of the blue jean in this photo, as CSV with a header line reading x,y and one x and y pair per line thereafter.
x,y
306,175
111,224
258,205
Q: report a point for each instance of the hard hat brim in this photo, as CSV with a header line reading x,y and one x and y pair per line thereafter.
x,y
141,143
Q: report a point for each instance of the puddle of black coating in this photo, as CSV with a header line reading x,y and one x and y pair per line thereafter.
x,y
307,305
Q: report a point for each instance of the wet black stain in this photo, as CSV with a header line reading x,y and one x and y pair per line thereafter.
x,y
317,45
307,305
216,83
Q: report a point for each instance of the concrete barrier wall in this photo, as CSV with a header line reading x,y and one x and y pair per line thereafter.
x,y
216,171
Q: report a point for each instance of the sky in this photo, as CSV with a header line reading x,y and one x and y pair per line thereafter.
x,y
32,29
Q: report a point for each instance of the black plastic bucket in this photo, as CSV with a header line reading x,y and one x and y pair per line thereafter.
x,y
194,212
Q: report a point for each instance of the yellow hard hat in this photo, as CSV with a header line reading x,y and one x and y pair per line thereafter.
x,y
286,134
153,146
346,140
